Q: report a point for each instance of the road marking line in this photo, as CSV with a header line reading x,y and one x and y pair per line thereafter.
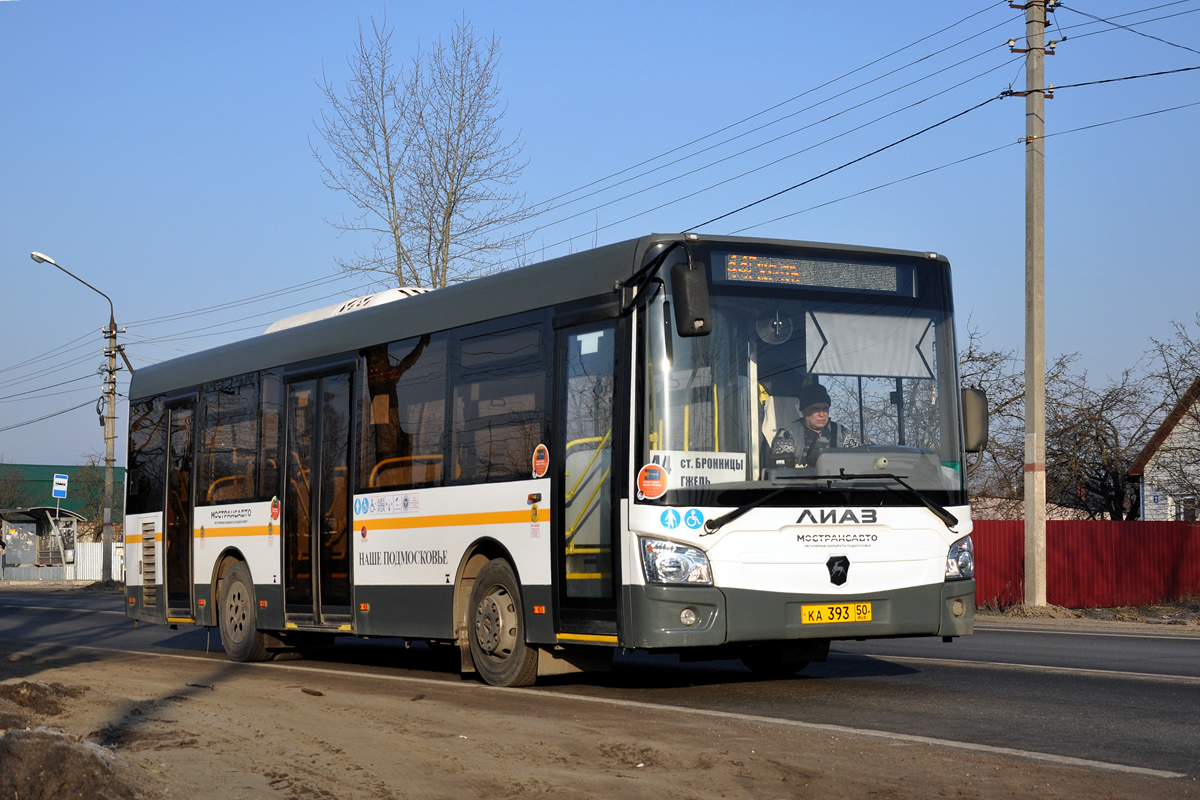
x,y
815,727
1118,634
65,608
1157,676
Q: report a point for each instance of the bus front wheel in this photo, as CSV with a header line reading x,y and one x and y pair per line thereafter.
x,y
240,636
498,648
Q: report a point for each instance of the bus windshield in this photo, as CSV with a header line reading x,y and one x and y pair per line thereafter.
x,y
818,365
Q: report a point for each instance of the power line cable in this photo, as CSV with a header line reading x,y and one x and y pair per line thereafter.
x,y
769,124
956,163
1126,78
46,371
780,137
60,350
771,163
46,417
875,152
770,108
43,388
1126,27
242,302
571,238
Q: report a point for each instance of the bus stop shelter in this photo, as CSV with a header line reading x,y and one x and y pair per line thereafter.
x,y
39,543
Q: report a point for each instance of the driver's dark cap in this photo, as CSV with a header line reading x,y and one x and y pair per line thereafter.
x,y
813,393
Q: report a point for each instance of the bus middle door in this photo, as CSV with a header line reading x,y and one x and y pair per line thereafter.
x,y
317,498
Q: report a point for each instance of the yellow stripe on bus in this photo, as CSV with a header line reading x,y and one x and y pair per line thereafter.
x,y
589,576
136,538
243,530
454,520
586,637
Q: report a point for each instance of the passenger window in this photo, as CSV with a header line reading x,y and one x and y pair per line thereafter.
x,y
403,419
499,406
147,456
228,457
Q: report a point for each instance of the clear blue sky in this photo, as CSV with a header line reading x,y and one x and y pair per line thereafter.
x,y
161,152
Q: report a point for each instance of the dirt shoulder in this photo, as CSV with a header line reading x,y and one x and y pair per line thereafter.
x,y
76,722
1166,619
86,724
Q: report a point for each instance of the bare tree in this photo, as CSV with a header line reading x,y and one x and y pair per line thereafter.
x,y
1176,371
88,488
1000,476
1093,436
14,489
421,155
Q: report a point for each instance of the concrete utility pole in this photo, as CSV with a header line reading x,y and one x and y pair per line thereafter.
x,y
1035,303
110,414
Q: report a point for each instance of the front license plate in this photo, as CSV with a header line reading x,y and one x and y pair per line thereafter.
x,y
836,612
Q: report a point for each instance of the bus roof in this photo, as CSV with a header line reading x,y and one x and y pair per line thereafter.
x,y
589,273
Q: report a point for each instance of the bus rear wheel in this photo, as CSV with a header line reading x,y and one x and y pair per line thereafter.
x,y
498,648
240,636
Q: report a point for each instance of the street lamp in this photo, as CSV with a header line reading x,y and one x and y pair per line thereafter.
x,y
110,416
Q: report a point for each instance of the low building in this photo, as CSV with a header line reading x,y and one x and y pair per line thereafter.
x,y
1169,465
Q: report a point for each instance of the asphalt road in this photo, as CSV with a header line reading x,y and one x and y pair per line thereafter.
x,y
1128,698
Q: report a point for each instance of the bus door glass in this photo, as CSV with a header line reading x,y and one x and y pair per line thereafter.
x,y
316,501
587,363
177,532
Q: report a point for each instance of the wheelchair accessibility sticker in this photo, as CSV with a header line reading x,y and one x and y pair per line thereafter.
x,y
693,518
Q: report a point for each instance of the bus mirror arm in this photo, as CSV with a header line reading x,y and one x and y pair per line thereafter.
x,y
689,288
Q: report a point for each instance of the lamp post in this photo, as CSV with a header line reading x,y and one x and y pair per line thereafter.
x,y
110,414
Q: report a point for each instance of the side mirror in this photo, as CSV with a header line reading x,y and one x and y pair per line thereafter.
x,y
689,289
975,419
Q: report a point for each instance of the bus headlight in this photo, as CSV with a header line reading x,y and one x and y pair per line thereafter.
x,y
960,561
668,562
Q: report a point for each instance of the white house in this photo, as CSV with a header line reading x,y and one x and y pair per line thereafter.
x,y
1169,465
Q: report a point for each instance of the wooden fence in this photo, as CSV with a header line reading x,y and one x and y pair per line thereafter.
x,y
1090,563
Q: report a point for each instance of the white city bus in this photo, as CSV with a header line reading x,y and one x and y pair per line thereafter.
x,y
544,465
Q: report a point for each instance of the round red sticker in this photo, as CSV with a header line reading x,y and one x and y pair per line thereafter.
x,y
275,509
541,461
652,481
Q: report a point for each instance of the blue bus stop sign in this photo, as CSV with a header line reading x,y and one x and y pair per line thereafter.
x,y
60,486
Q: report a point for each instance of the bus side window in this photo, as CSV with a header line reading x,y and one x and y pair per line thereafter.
x,y
228,455
147,456
403,417
272,435
499,405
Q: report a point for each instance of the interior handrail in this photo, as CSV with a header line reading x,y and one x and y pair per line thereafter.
x,y
587,469
432,457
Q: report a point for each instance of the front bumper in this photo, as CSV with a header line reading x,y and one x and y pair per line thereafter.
x,y
652,615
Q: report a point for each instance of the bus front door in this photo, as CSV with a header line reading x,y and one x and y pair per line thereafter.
x,y
587,578
177,527
317,499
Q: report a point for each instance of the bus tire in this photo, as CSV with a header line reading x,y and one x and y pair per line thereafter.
x,y
240,636
497,628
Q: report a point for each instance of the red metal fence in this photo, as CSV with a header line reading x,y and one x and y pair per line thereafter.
x,y
1092,563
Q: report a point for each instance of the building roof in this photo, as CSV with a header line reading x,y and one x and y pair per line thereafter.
x,y
1186,401
39,479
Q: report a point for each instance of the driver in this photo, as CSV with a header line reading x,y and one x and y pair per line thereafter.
x,y
814,431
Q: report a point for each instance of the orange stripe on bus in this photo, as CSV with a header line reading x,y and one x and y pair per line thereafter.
x,y
453,520
247,530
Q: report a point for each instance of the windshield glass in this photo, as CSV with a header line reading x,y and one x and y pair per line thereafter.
x,y
819,364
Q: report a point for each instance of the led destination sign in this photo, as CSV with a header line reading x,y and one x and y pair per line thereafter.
x,y
820,273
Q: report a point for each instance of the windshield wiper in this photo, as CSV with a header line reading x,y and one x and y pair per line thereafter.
x,y
711,526
940,511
